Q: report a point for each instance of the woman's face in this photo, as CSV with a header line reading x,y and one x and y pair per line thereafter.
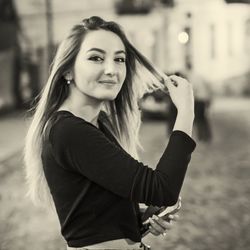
x,y
100,69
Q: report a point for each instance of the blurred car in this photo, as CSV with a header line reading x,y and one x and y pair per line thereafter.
x,y
158,105
155,105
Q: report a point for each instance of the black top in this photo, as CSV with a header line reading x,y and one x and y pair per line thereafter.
x,y
96,185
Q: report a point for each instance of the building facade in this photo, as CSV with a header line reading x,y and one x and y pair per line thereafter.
x,y
211,38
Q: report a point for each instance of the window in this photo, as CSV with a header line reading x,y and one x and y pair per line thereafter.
x,y
212,41
133,6
247,36
229,39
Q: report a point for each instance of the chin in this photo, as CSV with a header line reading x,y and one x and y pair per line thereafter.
x,y
108,97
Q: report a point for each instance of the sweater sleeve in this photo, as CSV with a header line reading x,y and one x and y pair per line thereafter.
x,y
81,147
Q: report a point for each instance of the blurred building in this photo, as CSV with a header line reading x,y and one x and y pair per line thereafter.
x,y
9,29
204,36
208,37
217,39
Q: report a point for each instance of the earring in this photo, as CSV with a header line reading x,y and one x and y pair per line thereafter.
x,y
68,77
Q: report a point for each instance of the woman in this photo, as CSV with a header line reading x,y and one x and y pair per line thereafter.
x,y
81,147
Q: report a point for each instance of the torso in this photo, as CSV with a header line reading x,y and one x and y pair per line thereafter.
x,y
122,241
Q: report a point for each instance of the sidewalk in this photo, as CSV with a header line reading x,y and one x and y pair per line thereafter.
x,y
13,127
230,104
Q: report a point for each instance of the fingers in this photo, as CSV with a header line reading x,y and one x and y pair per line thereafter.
x,y
166,82
174,81
178,80
166,79
181,93
155,228
159,226
169,82
173,217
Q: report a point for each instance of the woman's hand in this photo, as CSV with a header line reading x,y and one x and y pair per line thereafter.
x,y
159,226
181,93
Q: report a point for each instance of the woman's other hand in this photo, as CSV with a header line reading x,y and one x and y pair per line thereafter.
x,y
159,226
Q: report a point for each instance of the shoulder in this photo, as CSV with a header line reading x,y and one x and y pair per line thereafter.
x,y
67,128
73,135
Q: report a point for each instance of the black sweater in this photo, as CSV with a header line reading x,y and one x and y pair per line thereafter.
x,y
96,186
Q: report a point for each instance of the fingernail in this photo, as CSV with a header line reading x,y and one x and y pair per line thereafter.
x,y
151,220
155,217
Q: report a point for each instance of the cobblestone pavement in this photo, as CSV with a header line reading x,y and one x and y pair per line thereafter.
x,y
215,194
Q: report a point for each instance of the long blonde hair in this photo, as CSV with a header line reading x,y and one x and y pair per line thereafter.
x,y
123,112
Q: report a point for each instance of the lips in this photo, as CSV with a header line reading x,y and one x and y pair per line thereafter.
x,y
107,81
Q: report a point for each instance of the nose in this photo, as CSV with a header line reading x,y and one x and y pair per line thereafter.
x,y
110,68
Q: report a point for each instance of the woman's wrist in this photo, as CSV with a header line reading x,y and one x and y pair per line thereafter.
x,y
186,112
184,121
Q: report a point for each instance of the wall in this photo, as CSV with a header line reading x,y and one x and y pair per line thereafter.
x,y
218,48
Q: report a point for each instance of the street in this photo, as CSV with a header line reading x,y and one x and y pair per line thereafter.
x,y
215,195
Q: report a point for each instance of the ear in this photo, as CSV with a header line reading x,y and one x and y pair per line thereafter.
x,y
68,76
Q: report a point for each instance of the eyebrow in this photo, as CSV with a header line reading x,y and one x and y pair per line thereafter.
x,y
103,51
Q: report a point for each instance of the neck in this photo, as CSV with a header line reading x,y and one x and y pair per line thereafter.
x,y
83,106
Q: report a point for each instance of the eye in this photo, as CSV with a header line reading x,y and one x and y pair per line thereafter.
x,y
96,58
120,60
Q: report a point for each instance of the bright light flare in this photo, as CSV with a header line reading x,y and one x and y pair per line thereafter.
x,y
183,37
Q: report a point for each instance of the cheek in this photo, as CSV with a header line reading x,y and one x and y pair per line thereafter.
x,y
85,74
123,73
